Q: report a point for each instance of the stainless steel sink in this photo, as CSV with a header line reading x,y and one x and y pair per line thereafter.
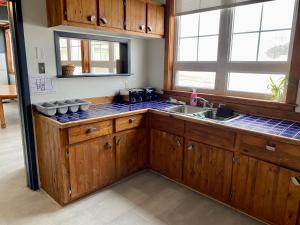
x,y
185,109
211,114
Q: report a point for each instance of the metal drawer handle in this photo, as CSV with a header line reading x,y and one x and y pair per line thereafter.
x,y
295,181
91,130
178,142
131,120
103,20
119,141
149,28
271,147
191,147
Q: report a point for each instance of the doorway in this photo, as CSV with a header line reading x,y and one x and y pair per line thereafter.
x,y
17,74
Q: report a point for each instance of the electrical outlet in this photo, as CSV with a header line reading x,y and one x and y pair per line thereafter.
x,y
42,69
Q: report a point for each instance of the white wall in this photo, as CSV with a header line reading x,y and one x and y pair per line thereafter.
x,y
37,34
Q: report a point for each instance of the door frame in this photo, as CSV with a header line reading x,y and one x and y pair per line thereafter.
x,y
23,89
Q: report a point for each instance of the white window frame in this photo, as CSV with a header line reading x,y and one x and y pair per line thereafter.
x,y
223,66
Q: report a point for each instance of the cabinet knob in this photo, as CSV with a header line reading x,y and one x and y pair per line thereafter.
x,y
108,145
178,142
295,181
91,130
142,27
149,28
91,18
119,141
190,147
103,20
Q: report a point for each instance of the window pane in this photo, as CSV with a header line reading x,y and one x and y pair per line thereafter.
x,y
253,83
247,18
75,50
208,48
274,46
99,51
204,80
244,47
209,22
116,51
278,14
63,43
189,25
188,49
78,70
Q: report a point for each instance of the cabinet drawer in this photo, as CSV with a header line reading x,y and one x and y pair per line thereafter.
x,y
90,131
210,135
168,124
129,122
264,148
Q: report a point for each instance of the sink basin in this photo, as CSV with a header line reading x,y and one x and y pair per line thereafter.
x,y
185,109
212,115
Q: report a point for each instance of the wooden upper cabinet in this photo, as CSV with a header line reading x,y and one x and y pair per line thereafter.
x,y
92,165
266,191
81,11
111,13
136,15
155,19
208,170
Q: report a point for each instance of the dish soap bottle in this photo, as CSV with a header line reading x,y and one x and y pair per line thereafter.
x,y
193,100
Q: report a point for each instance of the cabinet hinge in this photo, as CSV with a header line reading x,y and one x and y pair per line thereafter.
x,y
65,13
70,191
67,154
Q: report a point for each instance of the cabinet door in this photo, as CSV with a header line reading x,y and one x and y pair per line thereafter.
x,y
131,152
155,19
92,165
111,13
136,15
208,170
266,191
82,11
166,153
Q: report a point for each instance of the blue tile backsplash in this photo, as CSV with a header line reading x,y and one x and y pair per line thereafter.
x,y
259,124
266,125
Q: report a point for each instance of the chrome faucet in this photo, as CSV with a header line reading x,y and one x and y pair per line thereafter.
x,y
205,102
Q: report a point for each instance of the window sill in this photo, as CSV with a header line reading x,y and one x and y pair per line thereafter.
x,y
245,105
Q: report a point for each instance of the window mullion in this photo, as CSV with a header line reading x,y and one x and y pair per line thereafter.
x,y
259,33
223,51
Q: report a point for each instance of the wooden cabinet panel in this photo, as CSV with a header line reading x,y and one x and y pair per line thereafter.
x,y
136,15
155,19
111,13
266,191
92,165
166,154
131,152
218,137
280,153
130,122
90,131
208,170
168,124
82,11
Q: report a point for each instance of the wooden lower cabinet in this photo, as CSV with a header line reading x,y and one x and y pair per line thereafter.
x,y
266,191
92,165
166,154
131,152
208,170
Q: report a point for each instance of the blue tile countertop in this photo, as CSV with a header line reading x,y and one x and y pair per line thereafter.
x,y
282,128
110,109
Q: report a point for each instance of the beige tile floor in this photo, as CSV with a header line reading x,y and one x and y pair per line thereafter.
x,y
144,199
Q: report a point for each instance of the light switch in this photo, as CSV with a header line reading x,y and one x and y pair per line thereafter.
x,y
42,69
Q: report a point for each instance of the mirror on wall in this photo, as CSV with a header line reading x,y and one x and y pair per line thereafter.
x,y
80,55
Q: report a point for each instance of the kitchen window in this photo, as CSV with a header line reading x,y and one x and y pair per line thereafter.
x,y
242,51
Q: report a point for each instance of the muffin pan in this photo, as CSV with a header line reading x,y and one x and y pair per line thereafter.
x,y
62,107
